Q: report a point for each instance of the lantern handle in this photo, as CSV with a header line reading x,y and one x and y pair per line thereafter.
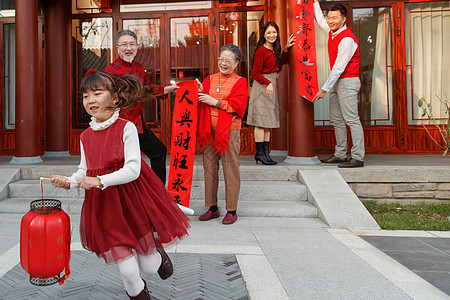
x,y
74,182
45,178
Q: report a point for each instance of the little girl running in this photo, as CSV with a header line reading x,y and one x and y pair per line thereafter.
x,y
126,208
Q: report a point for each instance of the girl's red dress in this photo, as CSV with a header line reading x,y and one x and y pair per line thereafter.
x,y
138,215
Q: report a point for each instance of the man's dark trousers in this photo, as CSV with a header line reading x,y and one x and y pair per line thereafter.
x,y
156,151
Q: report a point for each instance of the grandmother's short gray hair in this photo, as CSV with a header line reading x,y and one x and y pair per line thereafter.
x,y
234,49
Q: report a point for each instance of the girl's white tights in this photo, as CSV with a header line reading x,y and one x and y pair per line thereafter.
x,y
129,271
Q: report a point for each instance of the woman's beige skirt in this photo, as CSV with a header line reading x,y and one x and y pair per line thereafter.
x,y
263,111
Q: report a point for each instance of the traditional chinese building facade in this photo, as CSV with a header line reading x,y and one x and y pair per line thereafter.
x,y
48,45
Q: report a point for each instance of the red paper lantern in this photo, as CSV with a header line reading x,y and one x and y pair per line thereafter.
x,y
45,242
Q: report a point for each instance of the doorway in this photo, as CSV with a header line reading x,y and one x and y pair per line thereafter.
x,y
176,43
8,102
173,47
8,87
378,107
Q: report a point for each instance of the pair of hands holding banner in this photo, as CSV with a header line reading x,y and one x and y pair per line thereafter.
x,y
205,98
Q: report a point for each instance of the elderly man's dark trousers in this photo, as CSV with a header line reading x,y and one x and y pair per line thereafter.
x,y
156,152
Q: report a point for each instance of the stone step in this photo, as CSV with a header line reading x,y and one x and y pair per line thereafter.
x,y
251,173
250,190
22,205
291,209
257,191
288,209
32,189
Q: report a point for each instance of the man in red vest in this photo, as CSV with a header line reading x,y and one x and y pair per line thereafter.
x,y
126,43
343,85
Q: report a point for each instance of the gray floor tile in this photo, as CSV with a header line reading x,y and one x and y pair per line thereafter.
x,y
201,276
393,243
422,261
441,244
439,279
427,257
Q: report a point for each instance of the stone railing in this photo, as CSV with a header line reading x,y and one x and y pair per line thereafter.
x,y
418,185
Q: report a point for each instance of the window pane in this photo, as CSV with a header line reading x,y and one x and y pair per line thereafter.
x,y
7,4
7,8
149,55
90,6
322,107
165,6
227,3
91,49
427,57
372,27
9,76
242,30
189,49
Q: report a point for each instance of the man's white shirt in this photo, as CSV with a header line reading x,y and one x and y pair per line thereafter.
x,y
346,49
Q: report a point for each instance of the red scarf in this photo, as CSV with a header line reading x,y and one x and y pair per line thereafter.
x,y
237,99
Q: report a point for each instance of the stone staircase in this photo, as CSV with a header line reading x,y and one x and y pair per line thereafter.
x,y
265,191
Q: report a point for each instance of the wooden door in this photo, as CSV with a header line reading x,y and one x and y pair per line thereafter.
x,y
190,53
173,47
7,93
8,84
380,114
151,54
426,62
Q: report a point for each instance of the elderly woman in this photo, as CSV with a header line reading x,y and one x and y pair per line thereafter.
x,y
222,101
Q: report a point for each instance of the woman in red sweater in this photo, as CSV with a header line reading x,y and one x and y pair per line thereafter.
x,y
263,103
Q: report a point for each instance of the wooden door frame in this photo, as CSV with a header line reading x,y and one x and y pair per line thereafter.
x,y
8,136
415,131
120,18
397,130
165,131
405,133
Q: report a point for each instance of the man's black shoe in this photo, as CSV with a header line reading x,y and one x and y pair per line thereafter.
x,y
333,160
352,163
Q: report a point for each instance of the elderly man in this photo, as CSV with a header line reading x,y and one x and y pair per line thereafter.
x,y
343,85
126,42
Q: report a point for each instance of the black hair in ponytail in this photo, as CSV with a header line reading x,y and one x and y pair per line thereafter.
x,y
128,88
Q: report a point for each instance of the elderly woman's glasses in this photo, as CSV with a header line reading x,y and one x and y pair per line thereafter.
x,y
223,60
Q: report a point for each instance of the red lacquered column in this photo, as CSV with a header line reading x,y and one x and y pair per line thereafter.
x,y
57,99
301,114
27,110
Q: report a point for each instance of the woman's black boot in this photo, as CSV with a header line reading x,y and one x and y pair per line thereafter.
x,y
266,153
259,156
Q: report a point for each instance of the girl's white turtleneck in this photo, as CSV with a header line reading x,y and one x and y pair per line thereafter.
x,y
132,165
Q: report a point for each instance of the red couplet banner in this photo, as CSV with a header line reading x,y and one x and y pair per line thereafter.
x,y
184,133
305,48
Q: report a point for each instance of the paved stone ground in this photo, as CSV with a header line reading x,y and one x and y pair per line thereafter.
x,y
196,276
427,257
